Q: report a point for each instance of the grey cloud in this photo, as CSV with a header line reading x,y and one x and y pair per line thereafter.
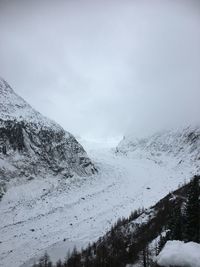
x,y
103,68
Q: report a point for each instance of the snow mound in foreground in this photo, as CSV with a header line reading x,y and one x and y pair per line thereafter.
x,y
178,253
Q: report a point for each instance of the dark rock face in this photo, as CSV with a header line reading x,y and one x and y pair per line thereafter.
x,y
11,136
31,144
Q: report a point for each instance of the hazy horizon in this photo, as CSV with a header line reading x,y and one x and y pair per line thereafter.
x,y
104,69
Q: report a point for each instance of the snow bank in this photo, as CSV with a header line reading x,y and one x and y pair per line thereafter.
x,y
178,253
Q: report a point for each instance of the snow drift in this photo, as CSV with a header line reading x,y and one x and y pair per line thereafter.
x,y
178,253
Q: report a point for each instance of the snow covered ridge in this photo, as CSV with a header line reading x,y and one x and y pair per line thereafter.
x,y
32,145
183,144
178,253
13,107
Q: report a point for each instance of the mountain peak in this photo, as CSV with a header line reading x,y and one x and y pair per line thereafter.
x,y
5,87
34,144
14,107
11,105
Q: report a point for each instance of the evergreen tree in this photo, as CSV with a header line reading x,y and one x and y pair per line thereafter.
x,y
4,150
59,264
176,225
162,241
192,227
75,259
45,261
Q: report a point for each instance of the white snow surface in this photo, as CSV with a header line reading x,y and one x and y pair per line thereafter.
x,y
178,253
38,215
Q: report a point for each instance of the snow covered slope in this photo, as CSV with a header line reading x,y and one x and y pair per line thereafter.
x,y
53,215
32,145
182,145
124,243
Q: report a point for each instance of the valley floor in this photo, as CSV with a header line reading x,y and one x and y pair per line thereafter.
x,y
52,214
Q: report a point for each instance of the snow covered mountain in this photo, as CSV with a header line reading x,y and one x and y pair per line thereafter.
x,y
54,214
183,145
32,145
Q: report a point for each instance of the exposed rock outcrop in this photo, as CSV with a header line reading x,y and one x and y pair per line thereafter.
x,y
32,145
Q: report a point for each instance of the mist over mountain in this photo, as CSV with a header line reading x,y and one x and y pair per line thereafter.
x,y
120,66
182,144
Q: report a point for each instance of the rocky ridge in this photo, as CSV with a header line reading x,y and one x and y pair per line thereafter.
x,y
33,145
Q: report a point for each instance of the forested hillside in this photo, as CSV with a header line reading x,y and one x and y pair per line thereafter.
x,y
141,236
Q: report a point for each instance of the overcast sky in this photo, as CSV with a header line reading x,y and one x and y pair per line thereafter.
x,y
102,68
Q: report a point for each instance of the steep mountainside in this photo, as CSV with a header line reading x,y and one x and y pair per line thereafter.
x,y
129,237
32,145
182,144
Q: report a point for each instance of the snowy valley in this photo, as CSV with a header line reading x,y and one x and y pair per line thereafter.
x,y
54,212
99,133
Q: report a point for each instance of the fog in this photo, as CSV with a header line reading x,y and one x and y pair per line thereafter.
x,y
105,68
